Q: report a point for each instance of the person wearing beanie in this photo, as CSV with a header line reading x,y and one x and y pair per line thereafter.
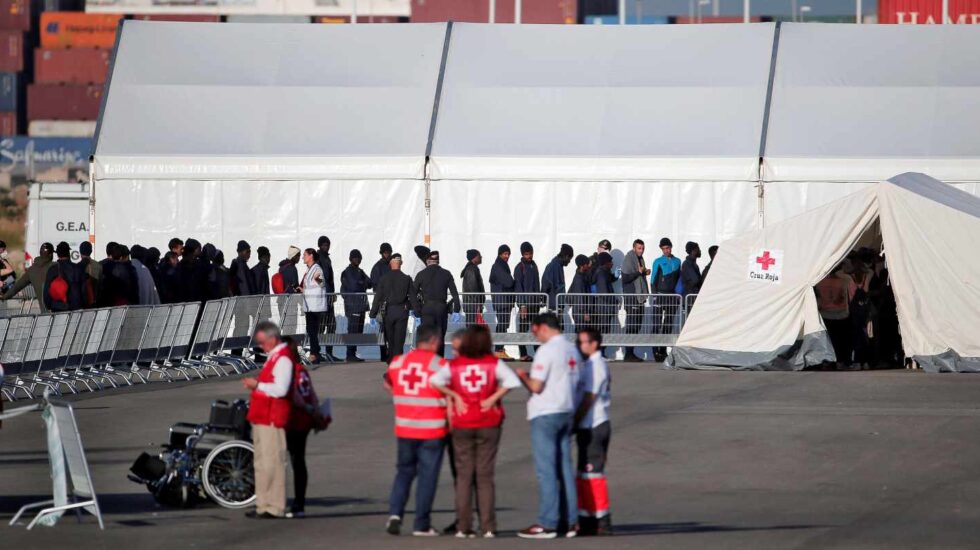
x,y
553,279
526,283
666,274
93,275
120,281
288,274
260,272
354,284
240,274
501,294
432,285
690,272
473,289
326,265
379,270
63,282
221,284
192,274
634,276
146,284
580,298
606,312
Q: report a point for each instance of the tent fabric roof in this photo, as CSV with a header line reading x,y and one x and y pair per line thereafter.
x,y
592,102
864,102
743,321
275,101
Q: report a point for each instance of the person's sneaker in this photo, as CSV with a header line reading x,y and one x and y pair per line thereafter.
x,y
450,529
503,356
660,357
296,514
430,532
572,532
537,532
489,535
354,359
394,526
465,535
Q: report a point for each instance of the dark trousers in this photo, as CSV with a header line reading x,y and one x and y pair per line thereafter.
x,y
436,315
502,312
395,327
663,322
313,321
420,458
839,331
524,326
296,445
475,457
634,321
593,493
470,310
355,325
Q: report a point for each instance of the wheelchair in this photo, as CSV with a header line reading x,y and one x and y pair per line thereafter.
x,y
212,461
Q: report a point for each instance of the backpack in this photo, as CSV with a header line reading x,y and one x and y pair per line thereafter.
x,y
278,286
304,398
58,291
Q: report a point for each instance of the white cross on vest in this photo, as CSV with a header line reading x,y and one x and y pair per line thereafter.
x,y
413,378
474,378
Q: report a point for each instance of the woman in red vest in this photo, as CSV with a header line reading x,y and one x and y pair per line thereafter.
x,y
479,379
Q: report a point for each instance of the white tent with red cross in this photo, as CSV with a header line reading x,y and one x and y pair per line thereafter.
x,y
757,309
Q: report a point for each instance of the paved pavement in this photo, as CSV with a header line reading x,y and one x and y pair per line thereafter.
x,y
698,460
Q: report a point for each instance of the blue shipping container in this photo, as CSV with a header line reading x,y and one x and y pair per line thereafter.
x,y
26,156
630,19
11,90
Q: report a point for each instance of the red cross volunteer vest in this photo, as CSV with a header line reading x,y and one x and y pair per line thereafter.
x,y
420,409
475,380
270,411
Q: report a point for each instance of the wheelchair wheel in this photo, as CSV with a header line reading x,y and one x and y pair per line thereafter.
x,y
228,475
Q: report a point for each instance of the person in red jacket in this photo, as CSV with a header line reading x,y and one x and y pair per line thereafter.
x,y
478,379
268,412
420,427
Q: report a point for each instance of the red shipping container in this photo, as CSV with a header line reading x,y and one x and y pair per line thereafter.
x,y
63,29
477,11
15,15
71,65
63,102
185,18
12,51
928,12
8,124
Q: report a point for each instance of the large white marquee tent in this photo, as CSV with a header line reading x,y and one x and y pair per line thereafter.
x,y
280,133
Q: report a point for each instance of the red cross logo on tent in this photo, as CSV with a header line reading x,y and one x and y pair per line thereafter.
x,y
765,261
412,378
474,378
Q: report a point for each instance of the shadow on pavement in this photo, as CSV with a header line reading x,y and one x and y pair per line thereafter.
x,y
638,529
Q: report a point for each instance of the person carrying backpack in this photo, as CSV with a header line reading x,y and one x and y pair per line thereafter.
x,y
305,415
64,283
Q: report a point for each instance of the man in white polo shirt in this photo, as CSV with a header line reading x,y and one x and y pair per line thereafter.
x,y
551,410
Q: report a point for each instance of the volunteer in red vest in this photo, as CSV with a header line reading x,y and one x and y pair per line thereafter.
x,y
420,428
592,434
480,380
268,412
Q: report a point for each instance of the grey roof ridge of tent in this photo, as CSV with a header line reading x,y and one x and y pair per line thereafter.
x,y
810,350
937,191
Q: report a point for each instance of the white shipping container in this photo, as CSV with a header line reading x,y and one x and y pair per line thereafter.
x,y
61,128
57,212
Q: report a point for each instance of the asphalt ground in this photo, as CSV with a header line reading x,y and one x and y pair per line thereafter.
x,y
881,459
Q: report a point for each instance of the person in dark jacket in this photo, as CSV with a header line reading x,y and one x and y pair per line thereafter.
x,y
712,250
122,284
354,283
239,274
473,289
329,317
260,272
666,272
168,286
580,293
636,290
690,273
378,271
603,246
553,280
93,275
526,283
67,295
502,297
192,274
152,262
432,284
287,268
176,246
606,305
220,276
395,293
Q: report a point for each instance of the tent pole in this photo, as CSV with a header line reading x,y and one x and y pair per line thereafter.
x,y
353,12
746,10
517,12
622,12
492,18
945,11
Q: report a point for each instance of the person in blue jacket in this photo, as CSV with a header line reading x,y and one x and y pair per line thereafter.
x,y
666,273
553,280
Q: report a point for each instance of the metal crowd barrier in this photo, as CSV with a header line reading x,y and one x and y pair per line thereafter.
x,y
19,306
625,320
508,315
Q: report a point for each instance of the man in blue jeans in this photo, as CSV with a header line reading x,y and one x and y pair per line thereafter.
x,y
421,428
551,408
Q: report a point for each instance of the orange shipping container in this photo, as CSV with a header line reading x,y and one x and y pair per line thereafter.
x,y
63,29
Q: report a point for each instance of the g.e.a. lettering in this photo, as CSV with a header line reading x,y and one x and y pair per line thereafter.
x,y
71,226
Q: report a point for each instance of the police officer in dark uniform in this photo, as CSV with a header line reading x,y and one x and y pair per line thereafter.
x,y
431,286
394,292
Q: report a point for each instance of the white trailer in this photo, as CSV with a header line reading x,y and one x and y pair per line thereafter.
x,y
57,212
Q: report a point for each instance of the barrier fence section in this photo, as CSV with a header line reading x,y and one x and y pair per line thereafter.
x,y
508,315
624,320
